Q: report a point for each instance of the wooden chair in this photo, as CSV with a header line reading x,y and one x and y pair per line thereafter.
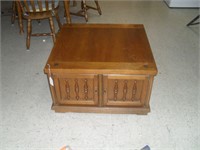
x,y
85,7
38,10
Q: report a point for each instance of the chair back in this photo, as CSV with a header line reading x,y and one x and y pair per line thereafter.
x,y
32,6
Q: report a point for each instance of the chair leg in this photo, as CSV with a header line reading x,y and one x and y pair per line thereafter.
x,y
98,7
29,30
82,5
17,11
84,8
52,29
58,20
20,18
193,21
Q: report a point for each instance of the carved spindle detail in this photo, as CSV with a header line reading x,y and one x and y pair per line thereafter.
x,y
125,89
86,89
134,90
67,88
77,89
115,90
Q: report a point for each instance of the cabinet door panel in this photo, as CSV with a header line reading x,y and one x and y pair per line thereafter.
x,y
77,89
125,90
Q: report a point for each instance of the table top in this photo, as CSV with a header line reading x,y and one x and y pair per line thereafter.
x,y
102,47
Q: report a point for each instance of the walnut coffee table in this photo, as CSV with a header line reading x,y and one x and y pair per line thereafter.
x,y
104,68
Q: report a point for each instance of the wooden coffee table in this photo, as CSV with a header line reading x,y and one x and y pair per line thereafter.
x,y
104,68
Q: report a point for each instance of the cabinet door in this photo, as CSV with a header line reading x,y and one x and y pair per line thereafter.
x,y
125,90
74,89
